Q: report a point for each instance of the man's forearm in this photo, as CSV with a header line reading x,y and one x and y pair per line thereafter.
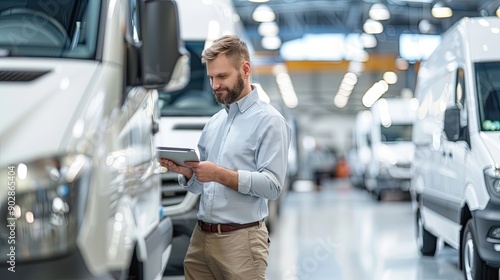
x,y
228,178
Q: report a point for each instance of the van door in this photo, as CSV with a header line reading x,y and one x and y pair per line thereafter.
x,y
458,150
456,153
436,164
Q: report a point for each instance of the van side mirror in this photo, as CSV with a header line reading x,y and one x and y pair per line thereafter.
x,y
452,123
164,58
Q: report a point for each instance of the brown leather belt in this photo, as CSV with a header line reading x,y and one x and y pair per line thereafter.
x,y
224,227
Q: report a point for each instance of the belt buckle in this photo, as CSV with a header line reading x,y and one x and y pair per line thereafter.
x,y
207,224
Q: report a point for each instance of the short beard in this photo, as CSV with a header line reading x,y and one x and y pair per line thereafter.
x,y
232,94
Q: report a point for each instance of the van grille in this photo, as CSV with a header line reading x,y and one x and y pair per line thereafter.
x,y
172,194
20,75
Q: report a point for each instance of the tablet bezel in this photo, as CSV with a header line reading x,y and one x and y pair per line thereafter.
x,y
178,155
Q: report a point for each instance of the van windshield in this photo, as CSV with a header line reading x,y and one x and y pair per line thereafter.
x,y
197,98
488,93
396,132
34,28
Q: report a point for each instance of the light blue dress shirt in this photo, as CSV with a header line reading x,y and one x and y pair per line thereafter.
x,y
252,137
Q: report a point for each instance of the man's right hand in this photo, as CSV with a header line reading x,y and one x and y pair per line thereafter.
x,y
170,165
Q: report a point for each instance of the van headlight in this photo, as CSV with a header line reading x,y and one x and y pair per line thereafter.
x,y
492,180
43,207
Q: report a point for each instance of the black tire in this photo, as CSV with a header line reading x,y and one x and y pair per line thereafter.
x,y
473,266
426,241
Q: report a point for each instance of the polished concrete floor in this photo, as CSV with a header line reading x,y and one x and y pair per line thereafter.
x,y
343,233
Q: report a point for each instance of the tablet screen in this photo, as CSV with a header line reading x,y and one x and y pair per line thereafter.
x,y
178,155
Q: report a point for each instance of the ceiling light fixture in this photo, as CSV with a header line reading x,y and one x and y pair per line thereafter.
x,y
390,77
374,93
440,10
263,13
379,11
368,40
268,29
373,27
286,89
271,42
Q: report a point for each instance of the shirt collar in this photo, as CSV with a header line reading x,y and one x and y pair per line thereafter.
x,y
245,103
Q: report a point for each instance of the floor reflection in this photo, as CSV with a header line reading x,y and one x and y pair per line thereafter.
x,y
343,233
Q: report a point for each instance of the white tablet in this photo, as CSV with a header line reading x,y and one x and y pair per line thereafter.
x,y
177,155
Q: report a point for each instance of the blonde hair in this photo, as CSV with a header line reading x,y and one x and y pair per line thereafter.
x,y
232,46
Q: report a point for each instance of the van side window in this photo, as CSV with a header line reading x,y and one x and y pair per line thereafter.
x,y
488,89
460,99
491,104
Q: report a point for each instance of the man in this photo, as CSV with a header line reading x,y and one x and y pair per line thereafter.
x,y
243,161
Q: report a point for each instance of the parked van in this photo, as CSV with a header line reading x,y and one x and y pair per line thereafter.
x,y
359,154
391,146
78,105
456,174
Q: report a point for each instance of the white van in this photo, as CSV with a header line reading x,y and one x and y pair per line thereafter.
x,y
456,175
359,154
391,147
78,105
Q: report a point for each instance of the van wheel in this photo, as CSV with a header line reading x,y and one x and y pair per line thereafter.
x,y
426,241
473,266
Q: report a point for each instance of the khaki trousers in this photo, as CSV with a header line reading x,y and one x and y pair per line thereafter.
x,y
240,254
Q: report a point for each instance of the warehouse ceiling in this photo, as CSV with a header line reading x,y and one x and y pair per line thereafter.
x,y
298,17
317,80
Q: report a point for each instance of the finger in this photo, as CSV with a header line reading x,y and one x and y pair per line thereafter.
x,y
192,163
171,163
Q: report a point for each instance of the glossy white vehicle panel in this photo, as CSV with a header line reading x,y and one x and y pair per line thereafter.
x,y
458,145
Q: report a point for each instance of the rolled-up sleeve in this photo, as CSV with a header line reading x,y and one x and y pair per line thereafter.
x,y
244,181
265,184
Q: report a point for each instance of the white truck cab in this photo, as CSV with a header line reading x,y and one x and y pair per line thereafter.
x,y
456,175
391,146
360,153
79,86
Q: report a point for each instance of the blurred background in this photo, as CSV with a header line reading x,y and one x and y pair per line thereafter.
x,y
320,44
336,69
